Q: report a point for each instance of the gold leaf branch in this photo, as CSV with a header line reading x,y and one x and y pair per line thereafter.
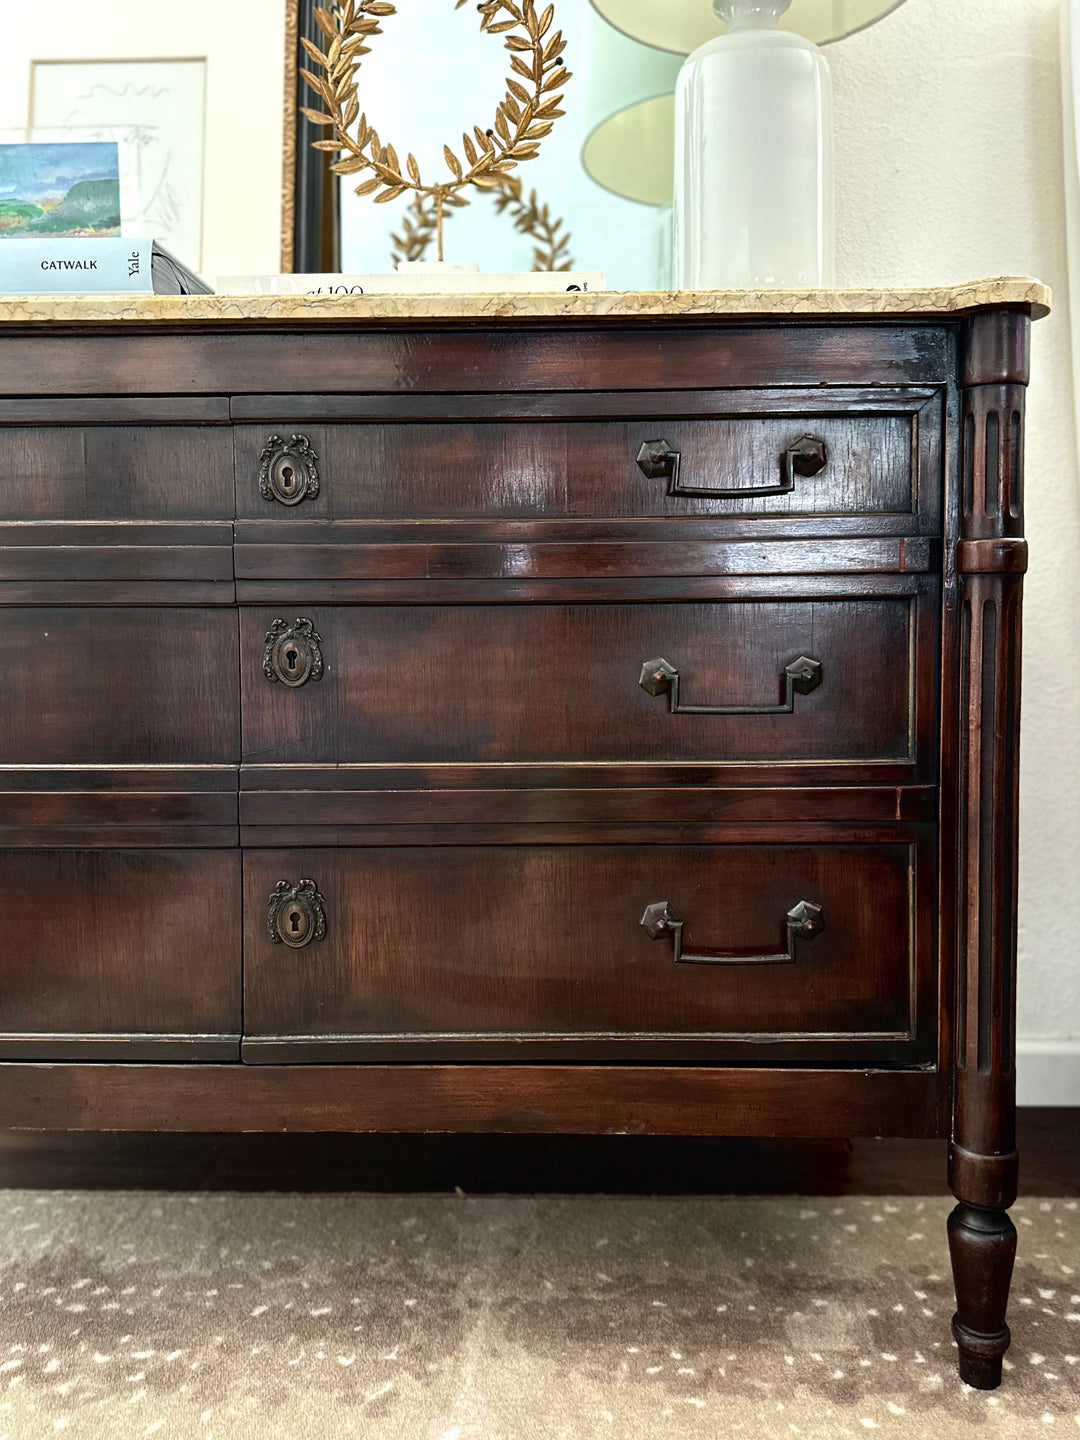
x,y
523,117
552,249
419,228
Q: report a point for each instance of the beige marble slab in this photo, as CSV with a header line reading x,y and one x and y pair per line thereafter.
x,y
644,304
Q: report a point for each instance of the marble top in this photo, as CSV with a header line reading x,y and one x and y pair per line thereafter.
x,y
644,304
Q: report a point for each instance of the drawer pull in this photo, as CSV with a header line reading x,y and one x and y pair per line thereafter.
x,y
297,914
292,656
800,677
808,456
288,473
804,922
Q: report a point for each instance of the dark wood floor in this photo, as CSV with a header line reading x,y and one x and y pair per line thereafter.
x,y
486,1164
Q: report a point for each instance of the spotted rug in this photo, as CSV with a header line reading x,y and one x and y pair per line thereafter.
x,y
277,1317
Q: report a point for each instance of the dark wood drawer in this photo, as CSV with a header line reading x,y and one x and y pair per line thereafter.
x,y
79,460
768,454
541,950
121,953
118,686
563,684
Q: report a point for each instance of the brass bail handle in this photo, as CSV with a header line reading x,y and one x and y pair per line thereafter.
x,y
660,677
807,457
804,921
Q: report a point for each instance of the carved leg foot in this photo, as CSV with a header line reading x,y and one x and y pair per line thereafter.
x,y
982,1243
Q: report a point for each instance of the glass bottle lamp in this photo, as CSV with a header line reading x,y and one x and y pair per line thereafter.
x,y
753,157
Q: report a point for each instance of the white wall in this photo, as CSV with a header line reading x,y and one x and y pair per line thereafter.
x,y
950,167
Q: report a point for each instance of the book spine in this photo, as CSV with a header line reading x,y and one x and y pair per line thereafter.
x,y
112,265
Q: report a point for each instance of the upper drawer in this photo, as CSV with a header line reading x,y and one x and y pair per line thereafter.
x,y
780,455
115,459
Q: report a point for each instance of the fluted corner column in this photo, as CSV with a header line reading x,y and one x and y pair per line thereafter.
x,y
991,560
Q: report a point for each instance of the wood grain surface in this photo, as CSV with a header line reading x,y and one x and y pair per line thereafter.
x,y
107,946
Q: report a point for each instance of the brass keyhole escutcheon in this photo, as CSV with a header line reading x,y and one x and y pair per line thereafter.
x,y
293,653
288,473
297,914
297,925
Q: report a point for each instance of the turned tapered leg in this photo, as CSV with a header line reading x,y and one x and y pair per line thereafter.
x,y
991,559
982,1244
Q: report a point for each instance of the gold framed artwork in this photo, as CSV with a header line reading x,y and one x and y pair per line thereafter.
x,y
290,102
310,239
523,117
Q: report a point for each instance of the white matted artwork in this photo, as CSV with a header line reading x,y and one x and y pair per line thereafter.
x,y
158,107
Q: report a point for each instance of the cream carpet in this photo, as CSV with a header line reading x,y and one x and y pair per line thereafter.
x,y
277,1317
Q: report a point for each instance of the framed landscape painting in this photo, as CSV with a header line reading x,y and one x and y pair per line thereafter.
x,y
58,190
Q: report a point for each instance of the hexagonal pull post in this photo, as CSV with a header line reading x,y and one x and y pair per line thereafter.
x,y
657,460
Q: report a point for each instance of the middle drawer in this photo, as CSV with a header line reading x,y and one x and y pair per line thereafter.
x,y
749,680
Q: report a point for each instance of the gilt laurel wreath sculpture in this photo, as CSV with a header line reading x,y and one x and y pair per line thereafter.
x,y
523,117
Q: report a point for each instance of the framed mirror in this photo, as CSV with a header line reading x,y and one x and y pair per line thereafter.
x,y
432,75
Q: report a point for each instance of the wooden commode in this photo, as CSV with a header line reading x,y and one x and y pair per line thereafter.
x,y
587,713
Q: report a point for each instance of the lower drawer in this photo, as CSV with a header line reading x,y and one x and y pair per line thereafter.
x,y
120,954
812,951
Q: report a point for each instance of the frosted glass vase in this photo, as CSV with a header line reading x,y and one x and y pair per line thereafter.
x,y
754,158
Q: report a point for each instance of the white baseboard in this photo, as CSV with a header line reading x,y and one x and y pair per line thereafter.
x,y
1048,1072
